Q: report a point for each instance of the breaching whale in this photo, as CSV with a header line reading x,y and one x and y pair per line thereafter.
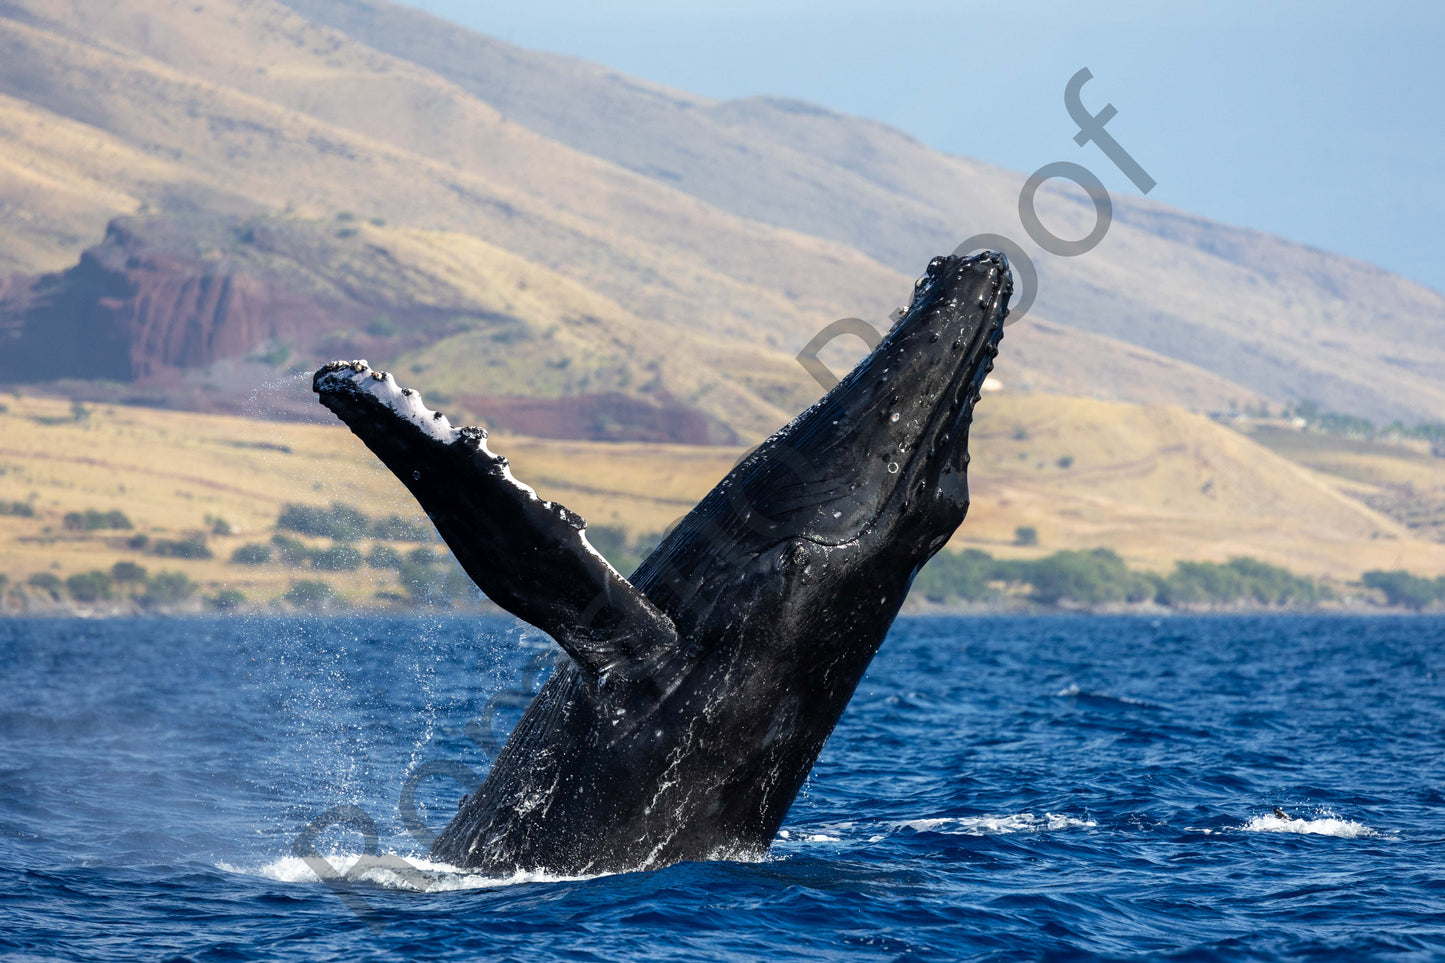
x,y
696,695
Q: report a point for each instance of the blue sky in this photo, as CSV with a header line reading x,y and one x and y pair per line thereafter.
x,y
1321,122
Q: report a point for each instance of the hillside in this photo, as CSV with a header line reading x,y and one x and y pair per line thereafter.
x,y
749,225
1282,319
195,311
1404,482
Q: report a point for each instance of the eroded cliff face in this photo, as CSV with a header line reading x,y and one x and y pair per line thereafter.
x,y
197,311
149,301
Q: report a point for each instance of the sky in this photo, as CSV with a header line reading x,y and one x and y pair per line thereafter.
x,y
1320,122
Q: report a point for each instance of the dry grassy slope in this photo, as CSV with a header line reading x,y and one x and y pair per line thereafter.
x,y
709,372
1159,483
58,178
168,472
1406,483
1136,484
246,105
581,340
1281,318
325,134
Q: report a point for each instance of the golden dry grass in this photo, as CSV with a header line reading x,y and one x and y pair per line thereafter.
x,y
1156,484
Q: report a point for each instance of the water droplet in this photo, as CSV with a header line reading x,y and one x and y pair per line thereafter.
x,y
893,468
837,514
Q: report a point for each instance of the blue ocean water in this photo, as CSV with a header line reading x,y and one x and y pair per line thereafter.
x,y
1000,788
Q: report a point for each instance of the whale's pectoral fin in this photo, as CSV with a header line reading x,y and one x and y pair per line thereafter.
x,y
528,555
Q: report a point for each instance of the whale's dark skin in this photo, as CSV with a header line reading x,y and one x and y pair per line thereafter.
x,y
698,694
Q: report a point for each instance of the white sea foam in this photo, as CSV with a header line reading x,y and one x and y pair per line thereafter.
x,y
389,871
1327,824
1073,691
851,832
998,825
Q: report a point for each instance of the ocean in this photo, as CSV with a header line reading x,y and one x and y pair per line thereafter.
x,y
1000,788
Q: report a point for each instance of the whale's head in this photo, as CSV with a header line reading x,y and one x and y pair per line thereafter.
x,y
874,476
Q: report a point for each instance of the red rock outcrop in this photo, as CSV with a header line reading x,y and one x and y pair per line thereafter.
x,y
136,307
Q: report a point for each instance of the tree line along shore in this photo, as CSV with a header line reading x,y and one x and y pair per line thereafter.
x,y
336,557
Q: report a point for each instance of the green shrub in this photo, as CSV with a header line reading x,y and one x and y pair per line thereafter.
x,y
1088,578
337,521
227,600
1195,582
17,509
252,553
457,585
126,572
89,586
337,558
1271,584
394,528
293,550
420,582
1403,589
957,575
422,556
192,546
1237,580
308,593
384,557
92,520
167,588
46,582
138,543
1026,535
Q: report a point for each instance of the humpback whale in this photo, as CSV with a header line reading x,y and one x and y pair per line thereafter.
x,y
695,695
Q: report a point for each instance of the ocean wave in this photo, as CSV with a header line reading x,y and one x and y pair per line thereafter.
x,y
997,825
948,825
1072,691
1327,824
391,871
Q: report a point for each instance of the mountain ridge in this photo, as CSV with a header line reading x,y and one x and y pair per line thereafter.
x,y
1280,373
